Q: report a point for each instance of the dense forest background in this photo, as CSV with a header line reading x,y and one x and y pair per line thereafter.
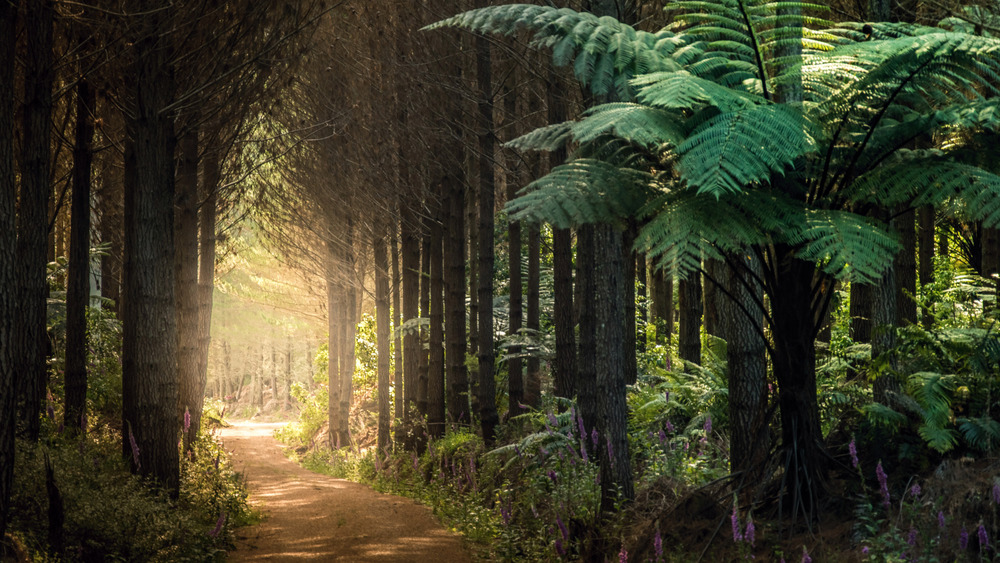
x,y
618,276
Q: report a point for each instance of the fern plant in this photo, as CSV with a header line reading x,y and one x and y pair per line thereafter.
x,y
755,127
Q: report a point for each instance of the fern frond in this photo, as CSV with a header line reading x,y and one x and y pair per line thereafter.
x,y
981,433
548,138
643,125
683,90
838,239
605,53
739,148
582,191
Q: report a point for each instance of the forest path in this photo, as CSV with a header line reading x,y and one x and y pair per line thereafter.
x,y
315,517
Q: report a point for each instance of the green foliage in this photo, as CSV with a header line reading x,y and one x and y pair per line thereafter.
x,y
111,515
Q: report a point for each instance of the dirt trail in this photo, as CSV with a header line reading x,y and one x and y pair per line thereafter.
x,y
315,517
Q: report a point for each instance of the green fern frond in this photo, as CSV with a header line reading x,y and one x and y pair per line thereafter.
x,y
643,125
605,53
739,148
883,416
981,433
683,90
838,239
548,138
582,191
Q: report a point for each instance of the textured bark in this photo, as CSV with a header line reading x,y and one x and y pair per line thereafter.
x,y
564,368
690,307
488,417
383,444
990,260
905,265
149,350
533,384
78,278
425,312
925,249
663,303
435,364
110,206
349,330
411,292
8,295
515,367
616,471
454,270
333,299
794,360
186,278
861,312
628,295
32,220
883,336
642,291
472,218
206,276
397,363
585,382
712,297
745,353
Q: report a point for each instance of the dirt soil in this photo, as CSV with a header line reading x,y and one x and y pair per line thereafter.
x,y
315,517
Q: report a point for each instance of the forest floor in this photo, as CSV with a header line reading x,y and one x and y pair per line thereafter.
x,y
309,516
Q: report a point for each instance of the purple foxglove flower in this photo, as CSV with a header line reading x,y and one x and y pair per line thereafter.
x,y
852,448
666,394
623,555
218,525
915,490
663,437
559,548
941,519
963,539
670,427
562,528
984,540
658,546
864,551
883,483
553,421
708,425
552,475
735,518
51,412
751,534
187,420
594,436
579,423
911,538
583,451
805,556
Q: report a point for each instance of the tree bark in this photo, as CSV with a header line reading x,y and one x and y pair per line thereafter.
x,y
533,384
861,312
149,350
333,300
642,289
629,344
564,368
712,297
488,417
883,332
435,364
689,329
397,363
454,270
472,219
586,300
206,275
186,278
32,219
349,331
616,471
383,444
78,278
8,294
411,292
515,367
925,246
905,266
426,242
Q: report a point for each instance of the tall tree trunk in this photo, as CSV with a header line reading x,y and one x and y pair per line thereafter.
x,y
347,358
110,201
861,312
454,270
488,417
32,221
905,265
586,302
206,274
533,383
745,354
435,364
383,444
333,301
925,245
515,367
629,344
663,302
397,363
426,242
712,297
689,328
472,219
642,289
411,293
78,278
564,368
794,331
149,349
8,295
616,471
186,277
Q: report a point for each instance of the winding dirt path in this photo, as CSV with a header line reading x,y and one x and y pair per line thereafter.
x,y
314,517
